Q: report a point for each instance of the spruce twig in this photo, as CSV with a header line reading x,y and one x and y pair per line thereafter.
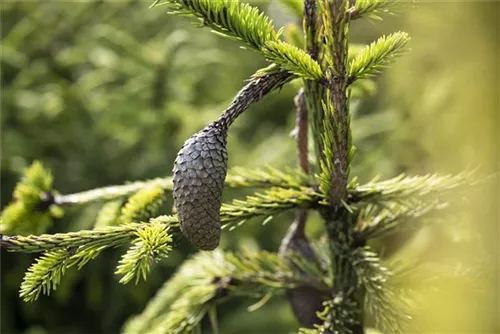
x,y
377,56
371,8
403,187
209,278
238,177
240,21
270,202
380,298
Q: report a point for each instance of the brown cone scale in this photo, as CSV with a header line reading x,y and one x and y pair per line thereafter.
x,y
199,172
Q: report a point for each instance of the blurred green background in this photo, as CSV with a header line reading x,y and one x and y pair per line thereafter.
x,y
106,92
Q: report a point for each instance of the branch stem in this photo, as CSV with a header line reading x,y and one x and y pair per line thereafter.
x,y
254,91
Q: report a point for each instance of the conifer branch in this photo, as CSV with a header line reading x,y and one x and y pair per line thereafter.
x,y
379,298
151,245
142,205
272,201
45,274
240,21
292,59
402,188
112,192
377,56
388,205
371,8
43,242
234,19
214,277
374,221
238,177
109,214
31,203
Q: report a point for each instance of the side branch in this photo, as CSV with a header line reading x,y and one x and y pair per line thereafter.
x,y
38,243
209,278
238,177
268,203
112,192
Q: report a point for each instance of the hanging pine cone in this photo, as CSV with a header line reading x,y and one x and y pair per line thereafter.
x,y
201,165
199,172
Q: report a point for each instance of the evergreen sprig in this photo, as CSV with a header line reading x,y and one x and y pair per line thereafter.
x,y
229,18
44,275
375,221
109,214
240,21
142,205
371,8
187,310
112,192
153,243
403,188
292,59
380,298
112,235
272,201
32,203
208,278
187,275
267,176
377,56
238,177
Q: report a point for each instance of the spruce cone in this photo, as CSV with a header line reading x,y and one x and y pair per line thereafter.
x,y
199,172
201,165
304,300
